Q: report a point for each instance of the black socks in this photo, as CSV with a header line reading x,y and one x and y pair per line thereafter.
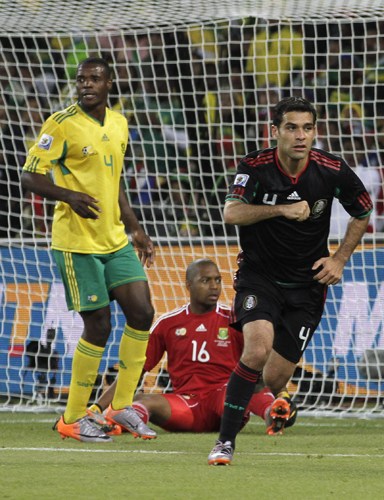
x,y
240,389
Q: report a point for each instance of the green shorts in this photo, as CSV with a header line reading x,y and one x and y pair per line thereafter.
x,y
89,278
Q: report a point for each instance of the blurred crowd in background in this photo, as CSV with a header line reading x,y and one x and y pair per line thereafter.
x,y
197,100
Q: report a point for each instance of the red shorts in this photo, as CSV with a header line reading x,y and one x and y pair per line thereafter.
x,y
195,412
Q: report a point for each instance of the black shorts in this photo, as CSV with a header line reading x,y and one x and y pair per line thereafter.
x,y
294,312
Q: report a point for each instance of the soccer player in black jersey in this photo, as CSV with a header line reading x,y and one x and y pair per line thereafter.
x,y
281,199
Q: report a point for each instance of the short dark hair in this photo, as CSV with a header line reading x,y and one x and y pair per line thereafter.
x,y
194,266
292,104
97,61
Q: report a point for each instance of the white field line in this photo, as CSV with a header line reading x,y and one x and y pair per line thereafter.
x,y
156,452
347,424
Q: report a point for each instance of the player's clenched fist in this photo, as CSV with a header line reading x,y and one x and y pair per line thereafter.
x,y
297,211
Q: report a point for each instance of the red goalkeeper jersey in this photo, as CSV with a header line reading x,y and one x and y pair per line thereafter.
x,y
202,349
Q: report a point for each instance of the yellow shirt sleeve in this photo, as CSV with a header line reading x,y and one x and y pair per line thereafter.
x,y
48,149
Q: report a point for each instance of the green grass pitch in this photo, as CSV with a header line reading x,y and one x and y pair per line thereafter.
x,y
318,458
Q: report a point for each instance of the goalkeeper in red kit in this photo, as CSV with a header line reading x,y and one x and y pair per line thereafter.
x,y
202,350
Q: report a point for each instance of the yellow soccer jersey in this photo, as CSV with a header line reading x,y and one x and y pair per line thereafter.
x,y
84,155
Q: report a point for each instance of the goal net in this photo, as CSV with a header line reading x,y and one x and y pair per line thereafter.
x,y
196,81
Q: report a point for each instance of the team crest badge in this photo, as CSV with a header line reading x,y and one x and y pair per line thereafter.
x,y
223,334
319,208
88,151
180,332
250,302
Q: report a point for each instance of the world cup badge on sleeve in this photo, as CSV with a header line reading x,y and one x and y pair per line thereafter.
x,y
45,142
241,180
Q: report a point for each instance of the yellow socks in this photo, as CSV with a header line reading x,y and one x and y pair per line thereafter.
x,y
96,408
85,366
132,350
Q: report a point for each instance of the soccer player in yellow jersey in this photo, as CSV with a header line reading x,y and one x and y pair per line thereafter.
x,y
83,147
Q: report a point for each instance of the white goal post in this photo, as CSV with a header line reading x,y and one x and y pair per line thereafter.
x,y
196,81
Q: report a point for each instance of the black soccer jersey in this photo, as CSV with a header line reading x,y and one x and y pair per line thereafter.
x,y
282,249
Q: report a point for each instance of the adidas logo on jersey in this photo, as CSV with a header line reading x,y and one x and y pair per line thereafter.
x,y
294,196
105,138
201,328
